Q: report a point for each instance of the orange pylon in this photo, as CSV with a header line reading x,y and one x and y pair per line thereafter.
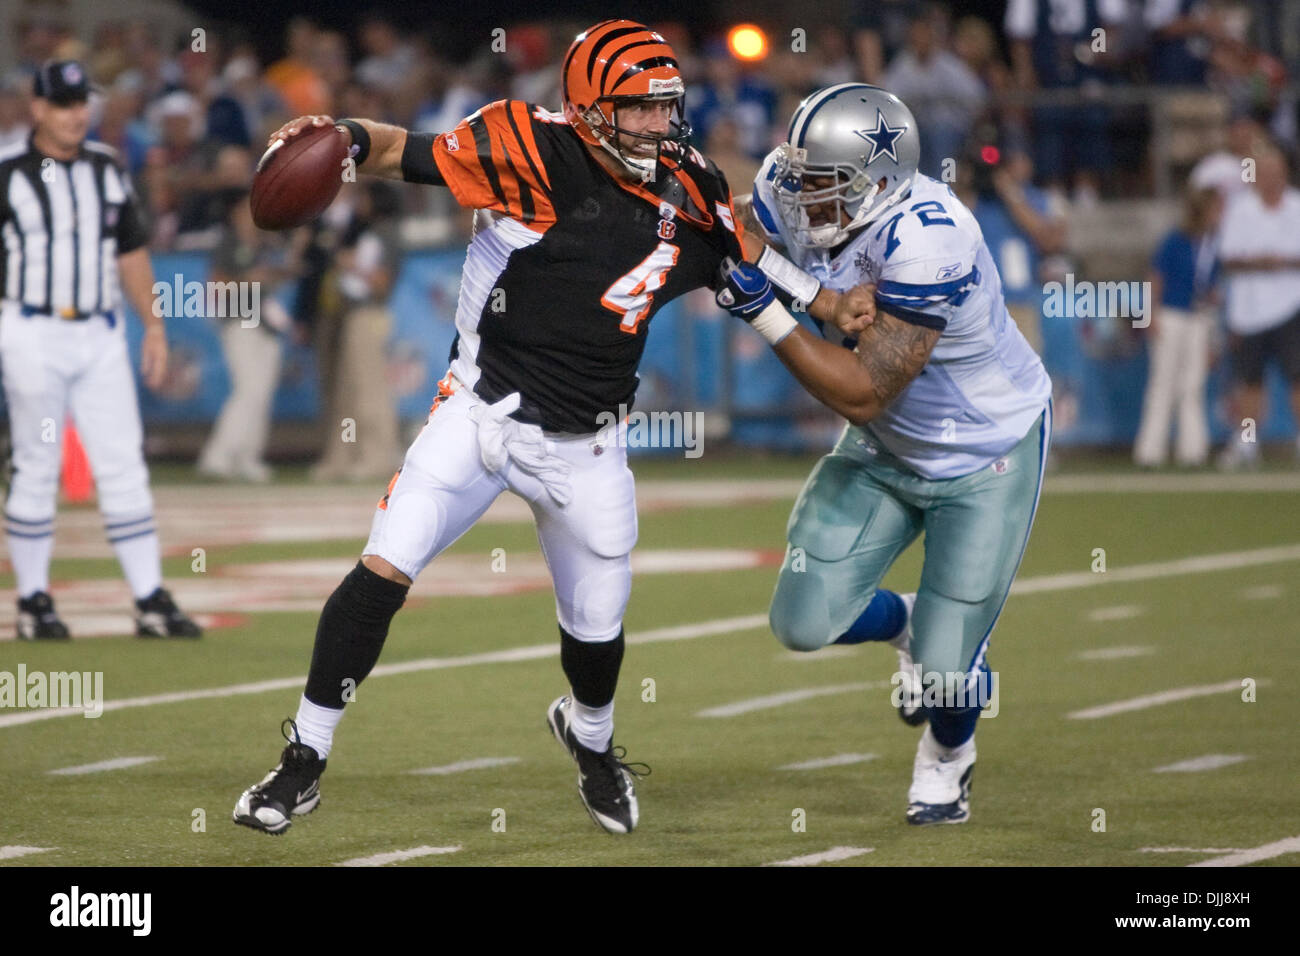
x,y
78,484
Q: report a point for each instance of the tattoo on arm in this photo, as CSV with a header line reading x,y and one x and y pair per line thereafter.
x,y
745,210
893,352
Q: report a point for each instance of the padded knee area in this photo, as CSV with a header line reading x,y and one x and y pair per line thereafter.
x,y
798,615
594,612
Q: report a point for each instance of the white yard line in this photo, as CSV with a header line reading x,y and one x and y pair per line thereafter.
x,y
1196,564
1035,585
13,852
117,763
1123,484
1115,653
1155,700
680,632
829,856
1208,762
1254,855
396,856
1121,612
477,763
839,760
787,697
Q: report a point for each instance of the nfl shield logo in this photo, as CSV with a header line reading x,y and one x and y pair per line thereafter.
x,y
1000,466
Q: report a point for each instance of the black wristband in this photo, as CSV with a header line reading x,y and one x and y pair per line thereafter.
x,y
360,138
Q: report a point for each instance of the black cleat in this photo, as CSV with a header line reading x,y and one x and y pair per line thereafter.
x,y
38,621
291,789
158,616
604,780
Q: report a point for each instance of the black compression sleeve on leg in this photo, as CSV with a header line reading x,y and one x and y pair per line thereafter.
x,y
592,667
351,634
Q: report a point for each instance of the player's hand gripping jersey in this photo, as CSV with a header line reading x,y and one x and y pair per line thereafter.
x,y
983,386
560,287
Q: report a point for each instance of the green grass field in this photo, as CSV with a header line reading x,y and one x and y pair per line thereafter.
x,y
717,794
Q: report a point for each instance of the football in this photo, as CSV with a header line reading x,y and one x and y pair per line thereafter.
x,y
298,178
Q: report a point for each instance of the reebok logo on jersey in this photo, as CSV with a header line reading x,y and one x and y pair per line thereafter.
x,y
452,142
949,272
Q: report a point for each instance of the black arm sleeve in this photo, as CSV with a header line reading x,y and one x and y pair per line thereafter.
x,y
417,160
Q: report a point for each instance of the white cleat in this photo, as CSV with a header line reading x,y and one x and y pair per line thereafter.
x,y
908,680
940,791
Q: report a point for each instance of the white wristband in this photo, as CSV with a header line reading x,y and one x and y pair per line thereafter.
x,y
774,323
788,276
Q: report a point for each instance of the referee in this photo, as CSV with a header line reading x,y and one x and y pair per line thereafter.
x,y
74,236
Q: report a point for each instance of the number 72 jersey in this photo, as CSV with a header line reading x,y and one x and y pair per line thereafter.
x,y
984,386
560,285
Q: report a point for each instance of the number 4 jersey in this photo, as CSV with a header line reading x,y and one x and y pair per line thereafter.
x,y
559,289
984,386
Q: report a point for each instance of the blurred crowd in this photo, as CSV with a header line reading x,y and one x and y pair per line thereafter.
x,y
1048,111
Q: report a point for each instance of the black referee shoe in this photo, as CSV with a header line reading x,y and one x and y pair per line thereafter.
x,y
38,621
158,616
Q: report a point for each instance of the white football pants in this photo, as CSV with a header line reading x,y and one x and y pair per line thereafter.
x,y
580,489
53,367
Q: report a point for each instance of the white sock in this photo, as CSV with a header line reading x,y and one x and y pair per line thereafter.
x,y
593,726
316,725
31,560
140,557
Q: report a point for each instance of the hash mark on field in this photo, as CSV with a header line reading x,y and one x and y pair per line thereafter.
x,y
1262,593
829,856
396,856
117,763
786,697
839,760
1121,612
825,653
1115,653
13,852
1155,700
1189,849
1254,855
1208,762
478,763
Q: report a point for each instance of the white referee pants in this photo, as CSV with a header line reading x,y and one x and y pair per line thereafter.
x,y
444,486
54,367
1179,361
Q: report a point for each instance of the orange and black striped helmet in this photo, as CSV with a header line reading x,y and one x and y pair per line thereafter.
x,y
620,60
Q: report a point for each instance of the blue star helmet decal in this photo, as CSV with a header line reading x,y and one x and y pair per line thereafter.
x,y
882,138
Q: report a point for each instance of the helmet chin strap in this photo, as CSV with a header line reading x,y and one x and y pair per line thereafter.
x,y
641,169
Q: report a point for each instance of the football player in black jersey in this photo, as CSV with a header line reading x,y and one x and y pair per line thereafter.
x,y
589,221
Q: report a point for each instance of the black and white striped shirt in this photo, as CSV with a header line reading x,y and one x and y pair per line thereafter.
x,y
63,225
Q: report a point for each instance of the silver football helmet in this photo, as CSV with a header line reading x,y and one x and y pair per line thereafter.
x,y
854,135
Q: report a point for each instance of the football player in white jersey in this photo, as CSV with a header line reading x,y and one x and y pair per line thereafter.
x,y
948,408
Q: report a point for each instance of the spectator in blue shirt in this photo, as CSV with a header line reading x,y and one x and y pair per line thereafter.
x,y
1184,273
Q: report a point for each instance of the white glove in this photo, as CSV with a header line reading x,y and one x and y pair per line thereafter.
x,y
502,439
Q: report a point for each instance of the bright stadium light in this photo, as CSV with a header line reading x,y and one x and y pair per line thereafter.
x,y
747,42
